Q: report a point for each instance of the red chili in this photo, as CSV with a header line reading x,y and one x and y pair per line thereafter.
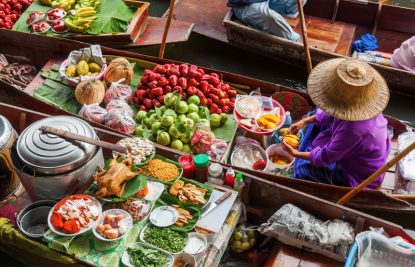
x,y
183,83
157,91
173,80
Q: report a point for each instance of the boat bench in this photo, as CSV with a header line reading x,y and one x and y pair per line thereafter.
x,y
334,37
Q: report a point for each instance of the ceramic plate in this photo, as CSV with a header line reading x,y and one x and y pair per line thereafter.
x,y
164,216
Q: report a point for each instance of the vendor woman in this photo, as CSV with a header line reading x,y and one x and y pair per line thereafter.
x,y
346,139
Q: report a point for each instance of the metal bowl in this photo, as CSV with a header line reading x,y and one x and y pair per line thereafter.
x,y
33,219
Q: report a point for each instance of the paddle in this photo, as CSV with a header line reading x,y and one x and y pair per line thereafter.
x,y
166,29
304,34
376,174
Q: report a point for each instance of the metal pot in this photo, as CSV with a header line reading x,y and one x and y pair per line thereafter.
x,y
51,167
33,219
9,181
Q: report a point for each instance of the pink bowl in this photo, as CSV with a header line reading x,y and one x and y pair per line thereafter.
x,y
74,81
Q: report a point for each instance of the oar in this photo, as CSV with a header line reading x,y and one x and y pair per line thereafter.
x,y
376,174
166,29
304,34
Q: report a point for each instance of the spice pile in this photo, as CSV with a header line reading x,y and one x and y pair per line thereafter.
x,y
165,238
161,170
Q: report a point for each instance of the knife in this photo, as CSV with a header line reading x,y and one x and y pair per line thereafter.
x,y
217,202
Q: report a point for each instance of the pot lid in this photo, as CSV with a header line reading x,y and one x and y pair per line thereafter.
x,y
50,154
6,131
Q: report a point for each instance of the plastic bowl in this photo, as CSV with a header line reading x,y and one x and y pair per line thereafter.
x,y
33,220
277,149
127,221
74,81
148,158
184,259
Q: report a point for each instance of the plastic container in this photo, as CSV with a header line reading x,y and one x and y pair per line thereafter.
x,y
277,149
202,165
188,166
230,177
33,219
215,174
239,184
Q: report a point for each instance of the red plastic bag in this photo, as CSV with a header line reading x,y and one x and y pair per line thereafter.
x,y
93,113
120,105
118,120
118,91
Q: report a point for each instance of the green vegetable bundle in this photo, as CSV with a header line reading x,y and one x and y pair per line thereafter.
x,y
165,239
147,257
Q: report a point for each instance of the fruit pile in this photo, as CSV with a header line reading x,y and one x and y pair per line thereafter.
x,y
291,139
11,10
242,239
81,19
83,68
187,80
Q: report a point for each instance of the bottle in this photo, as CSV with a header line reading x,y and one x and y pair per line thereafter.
x,y
239,184
230,177
215,174
202,165
288,119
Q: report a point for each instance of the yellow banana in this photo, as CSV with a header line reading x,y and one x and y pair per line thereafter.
x,y
86,14
292,136
84,9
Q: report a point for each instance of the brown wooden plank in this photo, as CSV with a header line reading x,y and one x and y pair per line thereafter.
x,y
207,16
396,18
179,32
346,39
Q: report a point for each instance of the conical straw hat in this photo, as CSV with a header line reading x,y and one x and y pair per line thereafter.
x,y
348,89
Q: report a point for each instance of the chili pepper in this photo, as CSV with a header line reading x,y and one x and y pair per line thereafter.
x,y
173,80
184,70
71,226
57,220
160,69
215,81
259,165
183,83
193,82
167,89
157,91
163,82
153,84
147,102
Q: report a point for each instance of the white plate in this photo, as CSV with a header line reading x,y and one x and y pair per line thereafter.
x,y
127,222
142,240
155,189
93,224
164,216
126,258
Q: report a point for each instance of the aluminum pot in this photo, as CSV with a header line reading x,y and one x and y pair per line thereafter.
x,y
9,180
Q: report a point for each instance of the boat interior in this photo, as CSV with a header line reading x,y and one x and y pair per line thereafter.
x,y
332,28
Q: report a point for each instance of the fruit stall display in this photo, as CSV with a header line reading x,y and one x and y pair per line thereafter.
x,y
57,17
179,106
11,11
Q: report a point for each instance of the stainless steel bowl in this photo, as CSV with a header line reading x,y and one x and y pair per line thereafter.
x,y
33,219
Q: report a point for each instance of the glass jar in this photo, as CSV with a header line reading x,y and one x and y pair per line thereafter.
x,y
188,166
215,174
202,165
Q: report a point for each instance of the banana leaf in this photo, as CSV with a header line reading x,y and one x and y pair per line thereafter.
x,y
195,211
226,131
112,16
186,181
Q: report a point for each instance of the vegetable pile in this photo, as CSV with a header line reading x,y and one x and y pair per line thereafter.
x,y
11,10
165,238
147,257
187,80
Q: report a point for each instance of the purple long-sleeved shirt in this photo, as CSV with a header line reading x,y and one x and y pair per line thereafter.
x,y
359,147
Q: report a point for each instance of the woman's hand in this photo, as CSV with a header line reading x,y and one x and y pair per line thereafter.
x,y
289,149
295,127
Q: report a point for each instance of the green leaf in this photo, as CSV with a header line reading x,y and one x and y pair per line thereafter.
x,y
226,131
131,187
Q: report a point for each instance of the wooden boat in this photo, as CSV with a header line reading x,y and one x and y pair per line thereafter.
x,y
142,30
331,31
40,50
262,198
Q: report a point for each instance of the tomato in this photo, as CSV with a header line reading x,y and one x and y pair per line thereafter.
x,y
57,220
71,226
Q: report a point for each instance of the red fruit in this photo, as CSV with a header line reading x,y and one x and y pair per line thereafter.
x,y
218,111
2,6
8,25
156,103
191,90
221,102
177,89
214,90
213,80
199,93
225,95
213,108
151,96
195,74
214,74
147,72
147,102
142,86
215,98
167,89
142,107
153,76
222,94
203,101
163,82
160,69
192,67
184,95
209,102
226,109
232,99
259,165
231,104
205,77
2,14
193,82
184,70
225,87
232,93
7,19
153,84
144,79
201,71
158,91
204,86
173,80
173,70
161,98
182,82
17,6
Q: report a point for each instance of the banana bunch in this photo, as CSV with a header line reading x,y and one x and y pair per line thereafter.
x,y
292,139
81,19
65,4
87,3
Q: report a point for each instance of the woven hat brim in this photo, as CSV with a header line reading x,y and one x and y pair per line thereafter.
x,y
321,78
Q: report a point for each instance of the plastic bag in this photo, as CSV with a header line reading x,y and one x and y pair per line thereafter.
x,y
243,238
93,113
121,106
118,91
119,121
202,138
217,149
246,152
407,164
